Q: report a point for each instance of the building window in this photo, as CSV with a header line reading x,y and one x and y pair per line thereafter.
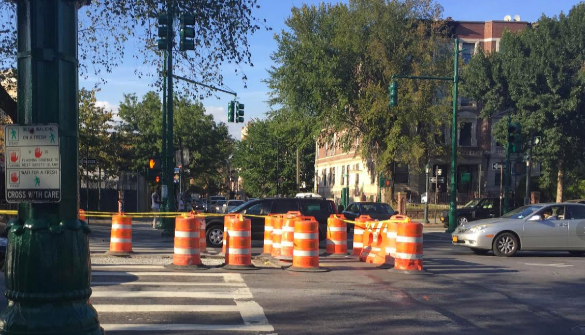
x,y
324,177
357,179
343,175
332,176
468,51
465,134
347,170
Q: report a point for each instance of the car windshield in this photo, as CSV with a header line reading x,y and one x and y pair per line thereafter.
x,y
472,203
377,209
239,208
522,212
235,203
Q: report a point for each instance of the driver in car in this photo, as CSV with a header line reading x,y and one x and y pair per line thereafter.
x,y
547,214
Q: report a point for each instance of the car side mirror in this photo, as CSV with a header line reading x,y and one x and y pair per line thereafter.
x,y
535,218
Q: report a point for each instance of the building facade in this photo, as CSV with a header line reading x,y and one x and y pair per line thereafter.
x,y
479,169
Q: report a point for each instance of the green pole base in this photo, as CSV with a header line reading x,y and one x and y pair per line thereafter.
x,y
50,318
48,278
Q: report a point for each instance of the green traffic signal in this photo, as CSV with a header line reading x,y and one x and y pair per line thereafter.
x,y
393,94
515,137
163,32
231,107
240,113
187,32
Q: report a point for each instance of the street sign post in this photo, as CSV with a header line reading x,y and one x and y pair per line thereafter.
x,y
33,166
440,180
89,161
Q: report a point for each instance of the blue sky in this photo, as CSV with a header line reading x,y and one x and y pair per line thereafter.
x,y
263,44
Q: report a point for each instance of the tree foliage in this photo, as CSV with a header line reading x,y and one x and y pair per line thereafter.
x,y
334,64
268,152
539,77
95,142
108,27
139,137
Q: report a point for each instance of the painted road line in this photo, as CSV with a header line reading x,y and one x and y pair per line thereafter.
x,y
111,283
123,267
165,308
140,328
554,265
175,274
252,313
240,293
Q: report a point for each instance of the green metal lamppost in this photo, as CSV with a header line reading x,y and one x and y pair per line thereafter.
x,y
48,271
393,95
426,215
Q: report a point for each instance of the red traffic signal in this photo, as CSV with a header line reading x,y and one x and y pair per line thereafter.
x,y
387,182
157,179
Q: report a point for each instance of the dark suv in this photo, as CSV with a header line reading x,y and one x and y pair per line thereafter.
x,y
318,208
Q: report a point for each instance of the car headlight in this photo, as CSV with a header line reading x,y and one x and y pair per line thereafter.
x,y
478,228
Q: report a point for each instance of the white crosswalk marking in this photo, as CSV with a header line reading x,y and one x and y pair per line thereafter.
x,y
149,298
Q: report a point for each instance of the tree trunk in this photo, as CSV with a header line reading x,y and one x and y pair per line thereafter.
x,y
560,180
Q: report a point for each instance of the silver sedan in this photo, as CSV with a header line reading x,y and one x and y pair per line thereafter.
x,y
542,227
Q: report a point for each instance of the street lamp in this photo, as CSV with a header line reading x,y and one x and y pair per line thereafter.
x,y
427,171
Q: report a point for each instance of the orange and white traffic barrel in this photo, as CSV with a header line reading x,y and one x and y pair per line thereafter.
x,y
268,228
393,223
306,245
239,244
186,250
202,232
81,215
377,242
358,234
288,232
121,235
277,220
336,235
409,248
227,220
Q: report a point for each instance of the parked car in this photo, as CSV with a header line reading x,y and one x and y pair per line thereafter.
x,y
216,206
543,227
230,205
476,209
376,210
198,205
318,208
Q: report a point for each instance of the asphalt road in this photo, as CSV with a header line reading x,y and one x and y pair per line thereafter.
x,y
462,293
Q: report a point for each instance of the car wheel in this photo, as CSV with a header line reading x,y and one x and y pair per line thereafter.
x,y
505,245
576,253
479,251
462,220
215,236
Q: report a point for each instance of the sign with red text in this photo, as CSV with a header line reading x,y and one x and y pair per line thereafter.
x,y
33,164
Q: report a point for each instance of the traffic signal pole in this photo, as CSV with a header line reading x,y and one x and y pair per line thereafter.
x,y
169,222
455,80
47,268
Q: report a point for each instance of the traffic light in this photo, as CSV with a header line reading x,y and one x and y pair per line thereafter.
x,y
157,179
240,113
163,32
393,93
514,137
187,32
154,164
231,107
384,182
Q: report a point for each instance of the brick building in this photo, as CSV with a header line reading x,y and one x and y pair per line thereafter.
x,y
479,152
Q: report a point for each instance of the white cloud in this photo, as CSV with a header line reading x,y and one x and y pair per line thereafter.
x,y
109,107
220,115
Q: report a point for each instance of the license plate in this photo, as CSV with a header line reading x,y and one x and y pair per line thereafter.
x,y
455,239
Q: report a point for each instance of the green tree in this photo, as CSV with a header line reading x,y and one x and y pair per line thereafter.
x,y
539,78
139,137
107,27
334,65
268,152
95,124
